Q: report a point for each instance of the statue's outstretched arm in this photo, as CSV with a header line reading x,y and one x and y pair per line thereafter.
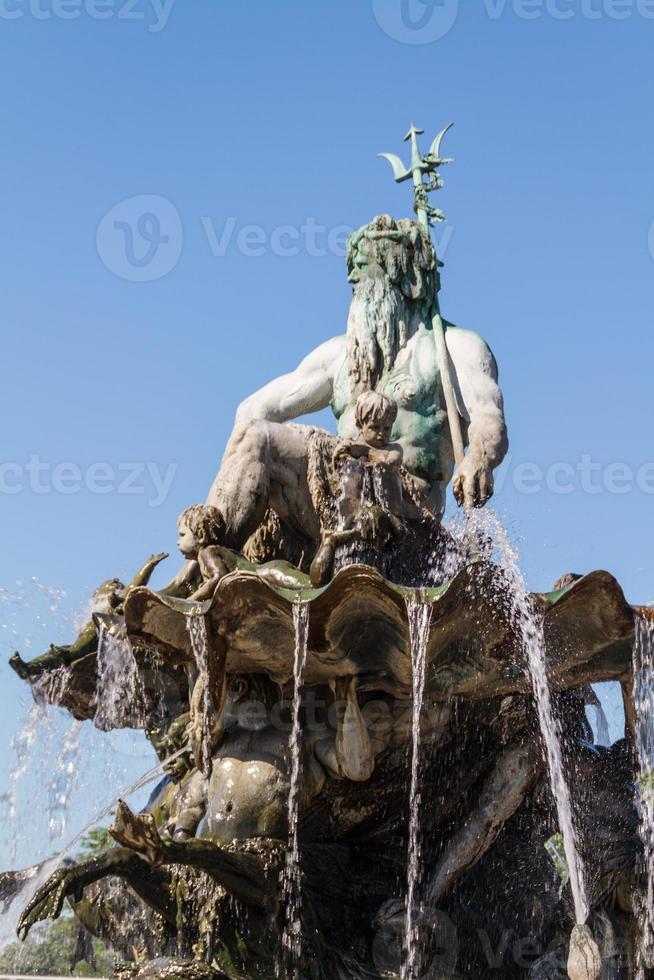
x,y
481,404
57,656
150,884
144,573
307,389
245,876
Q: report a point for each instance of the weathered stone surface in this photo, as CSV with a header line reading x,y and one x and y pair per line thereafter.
x,y
359,627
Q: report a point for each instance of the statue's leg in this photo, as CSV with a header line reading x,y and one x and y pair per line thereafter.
x,y
265,464
515,772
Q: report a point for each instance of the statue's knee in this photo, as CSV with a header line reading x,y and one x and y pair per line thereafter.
x,y
252,438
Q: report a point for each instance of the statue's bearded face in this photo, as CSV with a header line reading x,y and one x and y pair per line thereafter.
x,y
393,269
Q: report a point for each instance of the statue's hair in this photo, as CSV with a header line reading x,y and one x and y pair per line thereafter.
x,y
205,522
402,250
372,406
394,272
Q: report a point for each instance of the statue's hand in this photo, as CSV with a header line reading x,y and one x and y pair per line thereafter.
x,y
473,482
343,451
144,574
48,901
137,831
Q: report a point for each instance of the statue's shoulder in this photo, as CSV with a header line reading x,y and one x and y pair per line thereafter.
x,y
325,360
469,348
331,352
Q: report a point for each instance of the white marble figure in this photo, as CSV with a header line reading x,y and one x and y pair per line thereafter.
x,y
388,347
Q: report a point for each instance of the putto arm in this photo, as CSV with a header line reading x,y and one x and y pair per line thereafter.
x,y
307,389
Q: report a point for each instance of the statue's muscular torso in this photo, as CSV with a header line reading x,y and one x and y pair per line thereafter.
x,y
421,427
266,462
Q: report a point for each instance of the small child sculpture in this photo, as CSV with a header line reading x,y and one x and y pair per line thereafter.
x,y
375,416
201,528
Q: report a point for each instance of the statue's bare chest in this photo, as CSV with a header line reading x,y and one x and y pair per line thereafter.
x,y
412,380
421,426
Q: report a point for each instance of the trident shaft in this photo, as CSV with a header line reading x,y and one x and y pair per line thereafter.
x,y
421,167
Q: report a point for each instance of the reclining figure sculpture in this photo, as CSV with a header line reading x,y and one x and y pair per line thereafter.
x,y
348,527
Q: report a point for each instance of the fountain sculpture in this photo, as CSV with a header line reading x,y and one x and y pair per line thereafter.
x,y
371,734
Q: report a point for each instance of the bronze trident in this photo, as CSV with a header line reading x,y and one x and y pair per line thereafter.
x,y
420,167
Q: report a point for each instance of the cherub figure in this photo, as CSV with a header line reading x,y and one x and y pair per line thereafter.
x,y
200,528
370,491
375,416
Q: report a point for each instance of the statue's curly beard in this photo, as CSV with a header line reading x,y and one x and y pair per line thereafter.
x,y
378,328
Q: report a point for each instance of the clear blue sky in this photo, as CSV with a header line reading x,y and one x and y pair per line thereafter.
x,y
267,114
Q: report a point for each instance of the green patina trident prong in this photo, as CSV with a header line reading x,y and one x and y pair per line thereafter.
x,y
421,166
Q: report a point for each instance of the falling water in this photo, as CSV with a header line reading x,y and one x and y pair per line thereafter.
x,y
197,631
118,685
63,780
419,622
22,745
602,725
529,621
37,876
534,642
291,876
25,600
644,704
45,750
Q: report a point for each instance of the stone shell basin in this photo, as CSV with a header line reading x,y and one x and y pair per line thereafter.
x,y
358,627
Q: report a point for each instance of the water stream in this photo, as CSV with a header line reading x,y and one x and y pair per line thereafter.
x,y
419,614
603,734
291,880
38,875
22,745
197,631
643,659
528,620
62,781
534,642
118,694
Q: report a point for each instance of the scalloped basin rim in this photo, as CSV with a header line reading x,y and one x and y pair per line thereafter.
x,y
304,594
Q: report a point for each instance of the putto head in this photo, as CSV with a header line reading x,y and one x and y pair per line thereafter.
x,y
375,416
199,526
